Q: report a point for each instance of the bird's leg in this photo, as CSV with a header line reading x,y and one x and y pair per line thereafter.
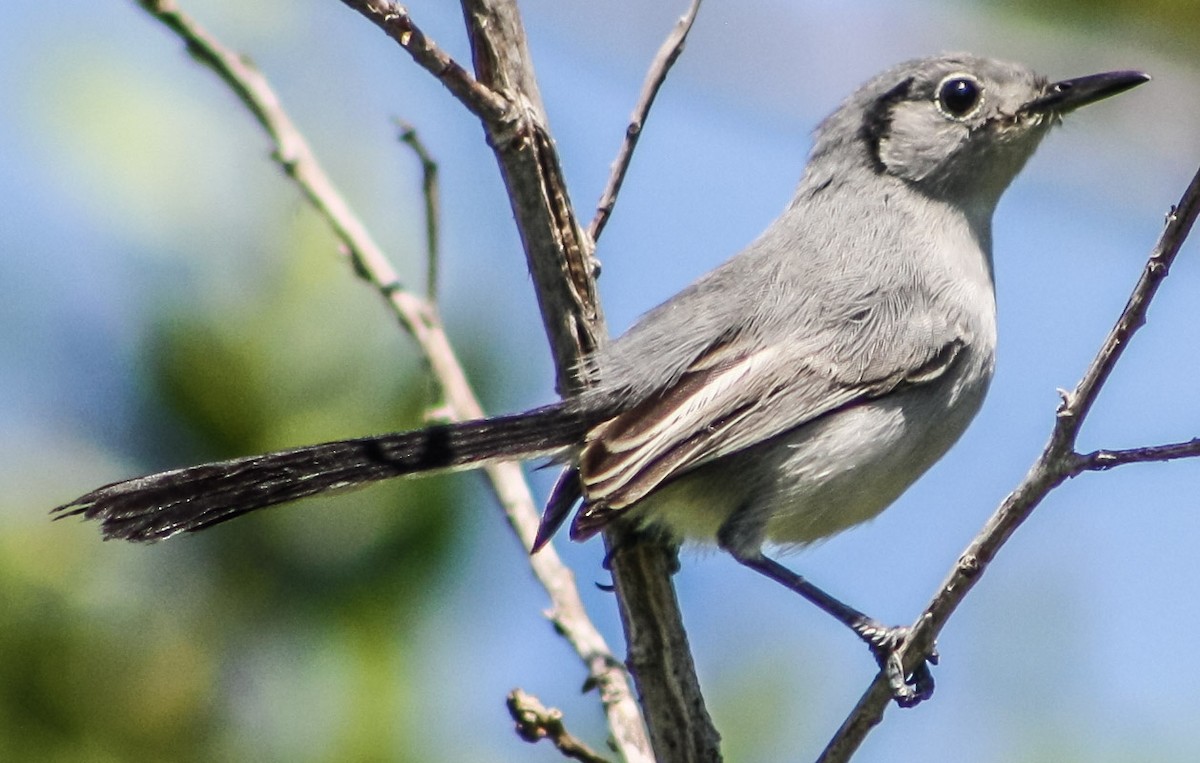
x,y
627,537
883,641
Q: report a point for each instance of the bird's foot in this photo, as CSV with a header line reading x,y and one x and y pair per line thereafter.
x,y
884,642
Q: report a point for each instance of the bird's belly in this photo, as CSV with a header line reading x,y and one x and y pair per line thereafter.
x,y
848,467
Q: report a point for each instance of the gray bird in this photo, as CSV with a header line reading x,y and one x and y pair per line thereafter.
x,y
791,393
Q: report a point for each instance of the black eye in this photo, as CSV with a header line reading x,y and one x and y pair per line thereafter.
x,y
958,95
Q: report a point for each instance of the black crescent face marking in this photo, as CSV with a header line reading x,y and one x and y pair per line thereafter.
x,y
878,119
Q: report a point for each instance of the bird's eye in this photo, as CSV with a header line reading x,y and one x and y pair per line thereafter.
x,y
958,96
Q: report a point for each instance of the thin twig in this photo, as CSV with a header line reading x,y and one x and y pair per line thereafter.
x,y
1076,405
395,21
420,319
1057,462
432,195
437,411
667,54
1104,459
535,722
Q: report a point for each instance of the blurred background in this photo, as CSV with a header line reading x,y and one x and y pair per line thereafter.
x,y
169,298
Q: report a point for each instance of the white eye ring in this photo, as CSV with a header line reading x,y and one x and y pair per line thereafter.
x,y
959,96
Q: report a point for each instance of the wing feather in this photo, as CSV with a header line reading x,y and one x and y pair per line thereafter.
x,y
722,403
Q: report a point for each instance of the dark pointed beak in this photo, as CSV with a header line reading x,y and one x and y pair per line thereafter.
x,y
1070,94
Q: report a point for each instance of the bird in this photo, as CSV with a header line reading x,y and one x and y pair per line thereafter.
x,y
791,393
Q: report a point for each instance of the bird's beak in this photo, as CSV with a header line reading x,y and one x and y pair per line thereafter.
x,y
1070,94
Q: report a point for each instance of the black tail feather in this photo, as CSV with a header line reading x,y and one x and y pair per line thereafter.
x,y
160,505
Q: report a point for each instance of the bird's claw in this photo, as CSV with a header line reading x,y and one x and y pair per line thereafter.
x,y
907,690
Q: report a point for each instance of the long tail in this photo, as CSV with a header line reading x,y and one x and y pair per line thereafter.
x,y
160,505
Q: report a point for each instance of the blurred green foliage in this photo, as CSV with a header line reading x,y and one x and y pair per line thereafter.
x,y
150,670
287,635
220,646
1176,22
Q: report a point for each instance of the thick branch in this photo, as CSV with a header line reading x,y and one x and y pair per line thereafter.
x,y
557,250
1057,462
560,257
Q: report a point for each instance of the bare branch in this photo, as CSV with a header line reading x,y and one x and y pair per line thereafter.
x,y
560,257
660,658
1077,404
431,193
1057,462
558,252
420,319
667,54
535,722
1102,460
396,22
